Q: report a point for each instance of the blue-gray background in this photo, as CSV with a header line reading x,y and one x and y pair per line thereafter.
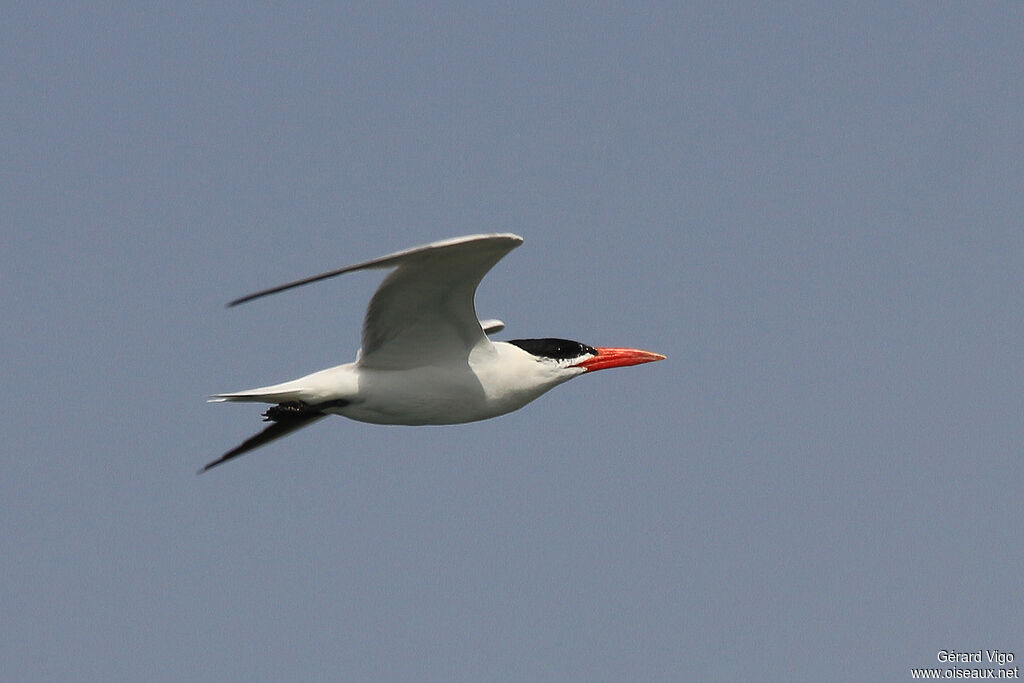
x,y
813,210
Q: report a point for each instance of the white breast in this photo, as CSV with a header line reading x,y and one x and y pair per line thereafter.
x,y
498,379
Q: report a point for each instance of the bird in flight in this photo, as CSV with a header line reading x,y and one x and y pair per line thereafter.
x,y
426,359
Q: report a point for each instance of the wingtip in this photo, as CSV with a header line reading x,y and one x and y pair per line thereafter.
x,y
241,300
209,466
492,326
213,463
387,261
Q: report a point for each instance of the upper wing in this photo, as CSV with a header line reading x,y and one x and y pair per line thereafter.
x,y
423,311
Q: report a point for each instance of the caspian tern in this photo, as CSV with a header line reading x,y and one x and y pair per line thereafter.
x,y
426,358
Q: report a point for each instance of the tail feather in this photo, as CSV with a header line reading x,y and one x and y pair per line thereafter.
x,y
263,395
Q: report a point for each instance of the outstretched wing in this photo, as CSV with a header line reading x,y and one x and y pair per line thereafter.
x,y
281,423
423,311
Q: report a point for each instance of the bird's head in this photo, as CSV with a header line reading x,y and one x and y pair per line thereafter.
x,y
566,353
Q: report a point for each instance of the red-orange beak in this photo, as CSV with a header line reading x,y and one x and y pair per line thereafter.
x,y
615,358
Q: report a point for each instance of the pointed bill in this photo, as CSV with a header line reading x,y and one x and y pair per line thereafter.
x,y
617,358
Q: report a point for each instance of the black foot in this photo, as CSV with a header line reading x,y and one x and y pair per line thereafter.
x,y
285,411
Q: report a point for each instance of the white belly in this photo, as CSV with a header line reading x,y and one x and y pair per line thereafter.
x,y
437,396
419,397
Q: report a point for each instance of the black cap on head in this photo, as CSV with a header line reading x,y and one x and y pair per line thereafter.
x,y
556,349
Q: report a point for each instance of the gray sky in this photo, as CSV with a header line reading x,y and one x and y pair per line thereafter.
x,y
814,211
